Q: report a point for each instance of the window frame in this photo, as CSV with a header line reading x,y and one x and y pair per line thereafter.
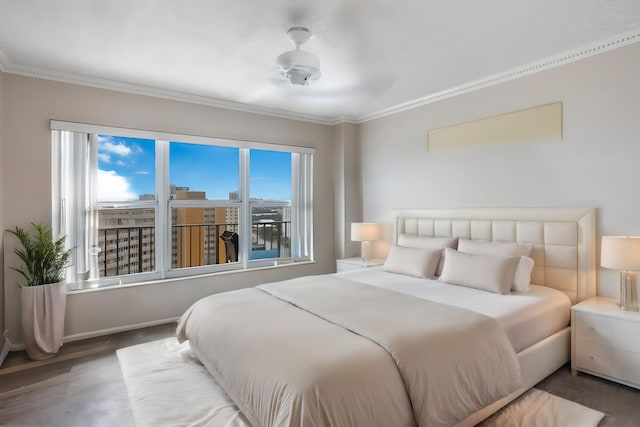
x,y
163,205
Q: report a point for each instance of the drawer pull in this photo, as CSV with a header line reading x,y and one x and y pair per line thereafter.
x,y
591,357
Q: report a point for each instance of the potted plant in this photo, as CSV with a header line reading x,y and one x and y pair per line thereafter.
x,y
43,293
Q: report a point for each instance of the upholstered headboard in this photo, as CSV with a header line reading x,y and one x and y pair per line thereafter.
x,y
564,239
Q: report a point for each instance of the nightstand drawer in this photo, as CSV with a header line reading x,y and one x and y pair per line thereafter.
x,y
606,340
626,335
594,328
626,365
593,357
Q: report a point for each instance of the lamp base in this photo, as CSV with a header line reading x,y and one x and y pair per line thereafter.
x,y
628,297
364,250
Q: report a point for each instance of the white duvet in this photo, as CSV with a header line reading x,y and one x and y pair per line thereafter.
x,y
325,351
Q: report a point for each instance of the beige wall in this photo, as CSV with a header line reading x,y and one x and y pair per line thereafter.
x,y
347,187
26,168
595,165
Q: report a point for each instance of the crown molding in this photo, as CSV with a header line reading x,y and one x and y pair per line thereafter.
x,y
7,66
345,119
618,41
583,52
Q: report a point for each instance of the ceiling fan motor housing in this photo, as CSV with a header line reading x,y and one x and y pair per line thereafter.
x,y
297,65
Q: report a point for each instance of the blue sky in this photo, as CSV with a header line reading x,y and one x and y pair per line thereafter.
x,y
126,169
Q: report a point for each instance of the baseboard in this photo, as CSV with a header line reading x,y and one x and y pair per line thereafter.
x,y
115,330
92,334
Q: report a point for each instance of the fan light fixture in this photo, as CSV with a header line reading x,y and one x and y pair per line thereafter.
x,y
297,65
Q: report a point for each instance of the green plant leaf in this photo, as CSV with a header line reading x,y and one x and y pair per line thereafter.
x,y
43,259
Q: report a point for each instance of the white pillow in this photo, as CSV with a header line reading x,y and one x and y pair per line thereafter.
x,y
414,241
522,276
417,262
493,273
480,247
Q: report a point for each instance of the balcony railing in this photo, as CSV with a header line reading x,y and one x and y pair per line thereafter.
x,y
138,243
128,250
197,244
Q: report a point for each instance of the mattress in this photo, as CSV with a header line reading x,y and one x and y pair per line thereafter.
x,y
526,318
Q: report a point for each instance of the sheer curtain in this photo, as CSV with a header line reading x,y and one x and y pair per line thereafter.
x,y
73,155
302,203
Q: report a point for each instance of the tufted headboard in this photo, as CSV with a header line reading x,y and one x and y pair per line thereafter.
x,y
564,239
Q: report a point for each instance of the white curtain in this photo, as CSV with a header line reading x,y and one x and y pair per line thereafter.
x,y
302,203
73,215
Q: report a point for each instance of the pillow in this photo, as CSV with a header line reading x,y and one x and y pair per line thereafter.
x,y
479,247
417,262
522,276
493,273
415,241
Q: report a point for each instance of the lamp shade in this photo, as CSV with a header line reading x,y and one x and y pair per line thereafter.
x,y
364,231
620,253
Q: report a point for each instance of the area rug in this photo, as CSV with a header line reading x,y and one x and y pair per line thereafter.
x,y
538,408
168,386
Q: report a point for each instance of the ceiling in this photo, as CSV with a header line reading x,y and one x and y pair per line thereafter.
x,y
377,56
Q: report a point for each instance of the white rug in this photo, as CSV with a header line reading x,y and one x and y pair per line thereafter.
x,y
168,386
538,408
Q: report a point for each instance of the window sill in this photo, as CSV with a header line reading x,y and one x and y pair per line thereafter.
x,y
93,287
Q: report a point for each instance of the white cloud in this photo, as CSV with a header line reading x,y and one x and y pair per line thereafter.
x,y
113,187
118,149
104,157
104,138
142,173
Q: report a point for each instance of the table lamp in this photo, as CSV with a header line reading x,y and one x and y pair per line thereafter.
x,y
364,232
623,253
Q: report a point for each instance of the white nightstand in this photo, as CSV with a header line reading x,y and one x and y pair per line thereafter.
x,y
605,341
347,264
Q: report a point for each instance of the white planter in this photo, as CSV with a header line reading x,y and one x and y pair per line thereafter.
x,y
43,309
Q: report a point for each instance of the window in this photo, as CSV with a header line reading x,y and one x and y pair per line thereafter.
x,y
140,206
204,204
270,202
125,205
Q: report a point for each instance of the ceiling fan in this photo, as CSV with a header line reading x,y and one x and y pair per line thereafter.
x,y
299,66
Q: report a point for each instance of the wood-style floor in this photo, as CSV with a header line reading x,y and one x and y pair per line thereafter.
x,y
83,386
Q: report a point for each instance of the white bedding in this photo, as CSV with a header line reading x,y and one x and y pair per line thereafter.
x,y
526,318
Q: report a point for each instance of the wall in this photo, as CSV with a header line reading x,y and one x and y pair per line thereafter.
x,y
26,169
595,164
347,187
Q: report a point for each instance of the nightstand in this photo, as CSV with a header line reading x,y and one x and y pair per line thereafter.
x,y
604,341
347,264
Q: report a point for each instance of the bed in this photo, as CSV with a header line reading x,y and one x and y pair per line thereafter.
x,y
304,352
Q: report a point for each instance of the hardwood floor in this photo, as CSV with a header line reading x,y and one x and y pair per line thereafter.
x,y
620,403
83,386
